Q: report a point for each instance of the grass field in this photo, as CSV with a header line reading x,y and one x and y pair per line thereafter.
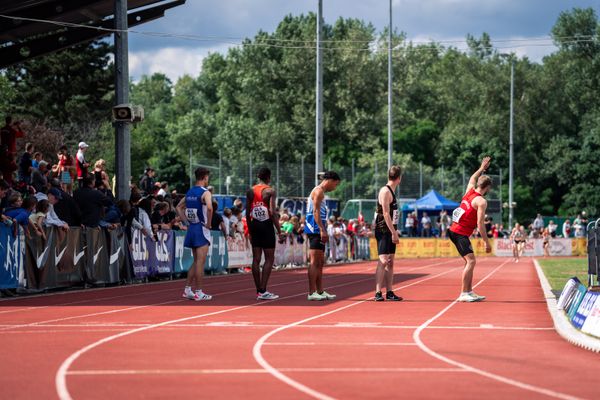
x,y
558,271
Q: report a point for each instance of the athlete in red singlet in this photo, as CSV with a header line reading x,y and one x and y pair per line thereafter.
x,y
465,219
262,221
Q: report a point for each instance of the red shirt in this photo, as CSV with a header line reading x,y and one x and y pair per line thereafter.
x,y
8,137
464,218
259,211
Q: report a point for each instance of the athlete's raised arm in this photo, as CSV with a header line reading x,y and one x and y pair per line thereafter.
x,y
485,163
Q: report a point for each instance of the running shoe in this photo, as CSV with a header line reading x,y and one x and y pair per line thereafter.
x,y
201,296
188,294
266,296
316,297
379,296
390,295
328,296
478,296
467,298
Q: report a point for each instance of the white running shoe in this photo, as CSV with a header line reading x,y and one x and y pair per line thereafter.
x,y
316,297
478,296
328,296
188,293
468,298
201,296
266,296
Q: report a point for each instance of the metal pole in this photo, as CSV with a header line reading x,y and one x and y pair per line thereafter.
x,y
122,134
510,147
442,178
390,150
302,178
191,170
420,179
277,172
375,176
220,173
464,178
500,195
250,169
319,99
353,175
329,164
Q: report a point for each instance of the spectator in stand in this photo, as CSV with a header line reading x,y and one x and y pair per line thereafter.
x,y
25,164
415,227
16,211
8,164
489,224
160,217
65,169
546,237
147,182
39,176
82,164
66,208
444,223
101,181
286,225
566,228
9,134
3,189
533,233
141,208
425,225
227,220
495,231
91,202
37,157
54,196
538,223
408,224
552,227
217,223
578,227
164,190
36,220
584,222
239,204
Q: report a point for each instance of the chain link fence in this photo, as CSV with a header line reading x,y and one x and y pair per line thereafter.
x,y
235,177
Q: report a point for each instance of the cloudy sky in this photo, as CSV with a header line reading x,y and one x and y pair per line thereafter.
x,y
440,20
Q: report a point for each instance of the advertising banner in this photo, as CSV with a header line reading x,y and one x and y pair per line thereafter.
x,y
567,294
591,326
11,256
584,309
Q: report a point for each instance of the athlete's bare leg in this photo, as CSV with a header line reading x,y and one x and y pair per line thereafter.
x,y
467,277
316,262
256,257
267,268
200,254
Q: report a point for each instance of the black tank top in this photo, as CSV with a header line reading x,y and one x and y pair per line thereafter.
x,y
380,224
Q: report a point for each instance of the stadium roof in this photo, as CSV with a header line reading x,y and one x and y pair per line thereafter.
x,y
27,38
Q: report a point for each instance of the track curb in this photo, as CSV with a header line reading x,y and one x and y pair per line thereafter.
x,y
562,325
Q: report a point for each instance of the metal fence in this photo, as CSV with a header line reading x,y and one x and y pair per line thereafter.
x,y
234,177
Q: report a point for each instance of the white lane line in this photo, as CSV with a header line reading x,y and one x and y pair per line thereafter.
x,y
179,300
469,368
257,349
248,371
61,374
339,344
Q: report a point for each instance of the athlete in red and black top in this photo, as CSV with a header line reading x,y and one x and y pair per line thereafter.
x,y
386,233
467,217
262,220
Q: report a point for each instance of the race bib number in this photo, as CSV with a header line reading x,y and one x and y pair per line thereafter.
x,y
395,217
192,215
457,214
260,213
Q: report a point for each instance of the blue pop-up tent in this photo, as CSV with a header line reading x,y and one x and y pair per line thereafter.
x,y
431,202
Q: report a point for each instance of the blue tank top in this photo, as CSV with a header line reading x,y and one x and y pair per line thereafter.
x,y
195,211
311,226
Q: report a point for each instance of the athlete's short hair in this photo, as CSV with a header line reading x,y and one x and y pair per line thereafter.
x,y
484,181
264,174
329,175
201,173
395,172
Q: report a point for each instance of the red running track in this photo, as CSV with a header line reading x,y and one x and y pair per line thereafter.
x,y
145,342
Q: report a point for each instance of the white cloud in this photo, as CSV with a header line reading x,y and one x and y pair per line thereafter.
x,y
171,61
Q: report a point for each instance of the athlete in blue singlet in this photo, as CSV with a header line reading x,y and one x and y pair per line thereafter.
x,y
196,209
317,235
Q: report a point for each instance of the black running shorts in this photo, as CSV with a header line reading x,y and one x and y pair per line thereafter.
x,y
384,243
462,243
262,234
314,242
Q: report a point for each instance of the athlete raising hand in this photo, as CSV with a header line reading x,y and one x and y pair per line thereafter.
x,y
465,219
